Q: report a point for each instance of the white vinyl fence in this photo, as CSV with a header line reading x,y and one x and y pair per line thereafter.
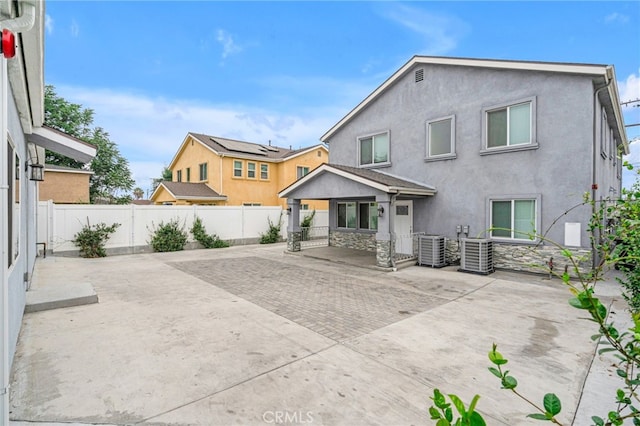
x,y
58,223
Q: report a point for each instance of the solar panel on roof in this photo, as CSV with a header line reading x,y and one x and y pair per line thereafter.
x,y
237,146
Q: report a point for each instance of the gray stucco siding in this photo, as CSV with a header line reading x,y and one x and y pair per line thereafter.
x,y
329,185
558,169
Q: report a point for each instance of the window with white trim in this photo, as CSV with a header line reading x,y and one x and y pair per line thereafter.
x,y
513,219
237,168
264,171
368,215
203,171
301,171
188,174
13,204
374,149
441,138
251,170
347,216
251,204
509,126
179,176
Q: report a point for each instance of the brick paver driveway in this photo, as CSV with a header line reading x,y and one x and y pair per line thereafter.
x,y
338,306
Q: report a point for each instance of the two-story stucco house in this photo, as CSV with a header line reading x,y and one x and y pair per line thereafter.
x,y
225,172
460,148
22,149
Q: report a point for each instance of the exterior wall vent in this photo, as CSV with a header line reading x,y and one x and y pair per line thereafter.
x,y
419,75
431,251
476,256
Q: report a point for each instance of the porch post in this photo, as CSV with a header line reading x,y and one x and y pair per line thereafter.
x,y
294,232
383,236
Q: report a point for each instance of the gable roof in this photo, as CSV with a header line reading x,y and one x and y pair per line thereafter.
x,y
243,149
378,180
190,191
607,72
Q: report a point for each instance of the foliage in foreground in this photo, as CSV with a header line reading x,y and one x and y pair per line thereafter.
x,y
169,236
207,240
615,233
92,239
273,233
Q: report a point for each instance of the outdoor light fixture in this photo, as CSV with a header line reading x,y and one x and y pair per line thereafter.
x,y
288,211
37,169
380,211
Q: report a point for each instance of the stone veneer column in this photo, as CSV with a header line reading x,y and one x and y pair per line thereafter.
x,y
383,253
294,232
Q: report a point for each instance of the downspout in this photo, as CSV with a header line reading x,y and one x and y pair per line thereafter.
x,y
594,183
16,25
392,230
221,175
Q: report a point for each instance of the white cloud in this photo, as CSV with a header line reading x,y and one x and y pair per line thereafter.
x,y
630,88
441,32
228,45
75,28
148,131
616,18
48,23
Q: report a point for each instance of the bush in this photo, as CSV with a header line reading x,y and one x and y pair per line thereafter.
x,y
92,239
169,236
307,220
208,241
273,233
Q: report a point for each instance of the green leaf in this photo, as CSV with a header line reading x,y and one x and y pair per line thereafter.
x,y
552,404
457,402
538,416
577,303
448,414
496,357
443,422
435,414
495,372
473,404
621,373
604,350
597,421
476,419
509,382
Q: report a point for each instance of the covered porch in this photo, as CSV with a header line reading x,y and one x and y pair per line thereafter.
x,y
369,211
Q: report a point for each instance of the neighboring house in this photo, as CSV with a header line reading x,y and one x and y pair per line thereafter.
x,y
218,171
456,147
65,185
22,148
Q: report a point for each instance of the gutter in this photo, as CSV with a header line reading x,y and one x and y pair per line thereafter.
x,y
23,23
594,153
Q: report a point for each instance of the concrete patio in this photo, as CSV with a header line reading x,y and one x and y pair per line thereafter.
x,y
251,335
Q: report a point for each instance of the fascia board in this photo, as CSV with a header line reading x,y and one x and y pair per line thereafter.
x,y
307,150
62,144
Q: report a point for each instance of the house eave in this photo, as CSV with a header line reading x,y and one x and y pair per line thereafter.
x,y
566,68
60,143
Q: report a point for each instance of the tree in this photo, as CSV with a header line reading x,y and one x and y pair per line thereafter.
x,y
111,179
166,176
138,193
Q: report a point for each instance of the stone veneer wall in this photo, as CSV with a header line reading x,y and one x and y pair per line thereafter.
x,y
535,258
353,240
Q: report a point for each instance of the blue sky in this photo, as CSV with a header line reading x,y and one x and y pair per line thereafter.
x,y
287,71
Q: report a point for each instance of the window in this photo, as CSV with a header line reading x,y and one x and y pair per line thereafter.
x,y
304,206
301,171
374,149
237,168
251,204
13,204
368,216
441,138
513,219
264,171
179,176
347,215
604,134
188,174
509,127
251,170
203,171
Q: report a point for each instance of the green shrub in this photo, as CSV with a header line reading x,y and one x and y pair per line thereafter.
x,y
92,239
273,233
208,241
307,220
169,236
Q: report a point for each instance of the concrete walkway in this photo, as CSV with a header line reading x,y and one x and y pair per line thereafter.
x,y
250,335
